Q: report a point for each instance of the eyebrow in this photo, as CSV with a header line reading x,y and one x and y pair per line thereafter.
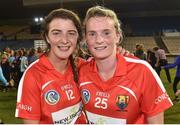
x,y
56,30
90,31
95,31
106,30
61,30
72,31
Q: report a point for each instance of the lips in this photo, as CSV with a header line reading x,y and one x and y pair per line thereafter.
x,y
100,47
64,48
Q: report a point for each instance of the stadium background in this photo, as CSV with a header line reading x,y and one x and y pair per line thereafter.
x,y
151,22
142,18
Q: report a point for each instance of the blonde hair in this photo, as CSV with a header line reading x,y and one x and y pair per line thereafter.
x,y
99,11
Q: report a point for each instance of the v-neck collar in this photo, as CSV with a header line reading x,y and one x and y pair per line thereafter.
x,y
44,61
121,70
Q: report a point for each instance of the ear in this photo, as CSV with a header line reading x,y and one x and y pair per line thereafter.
x,y
119,37
47,39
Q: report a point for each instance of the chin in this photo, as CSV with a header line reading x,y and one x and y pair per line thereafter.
x,y
101,57
64,56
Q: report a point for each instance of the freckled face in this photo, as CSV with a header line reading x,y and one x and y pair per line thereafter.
x,y
102,37
62,37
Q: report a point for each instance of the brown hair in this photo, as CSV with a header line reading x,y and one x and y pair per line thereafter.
x,y
63,14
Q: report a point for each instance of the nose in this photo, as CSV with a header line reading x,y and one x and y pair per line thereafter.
x,y
99,39
64,38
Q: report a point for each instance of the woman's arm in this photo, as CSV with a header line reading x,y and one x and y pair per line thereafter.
x,y
157,119
26,121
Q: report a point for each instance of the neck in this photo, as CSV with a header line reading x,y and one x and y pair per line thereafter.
x,y
60,65
107,67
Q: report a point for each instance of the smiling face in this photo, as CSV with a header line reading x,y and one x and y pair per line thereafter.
x,y
62,37
102,37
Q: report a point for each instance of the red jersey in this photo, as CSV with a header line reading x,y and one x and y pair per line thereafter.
x,y
134,92
46,95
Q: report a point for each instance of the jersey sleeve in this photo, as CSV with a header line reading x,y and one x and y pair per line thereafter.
x,y
28,98
154,96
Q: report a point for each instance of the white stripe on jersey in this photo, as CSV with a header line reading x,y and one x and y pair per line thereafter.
x,y
152,71
21,81
130,91
150,68
16,112
84,83
19,94
46,84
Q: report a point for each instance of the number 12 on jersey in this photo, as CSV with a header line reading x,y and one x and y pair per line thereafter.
x,y
69,94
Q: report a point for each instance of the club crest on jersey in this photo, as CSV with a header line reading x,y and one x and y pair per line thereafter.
x,y
52,97
122,101
86,95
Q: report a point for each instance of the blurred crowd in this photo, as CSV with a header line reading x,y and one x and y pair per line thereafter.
x,y
13,63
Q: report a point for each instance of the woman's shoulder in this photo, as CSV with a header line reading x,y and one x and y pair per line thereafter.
x,y
86,64
137,63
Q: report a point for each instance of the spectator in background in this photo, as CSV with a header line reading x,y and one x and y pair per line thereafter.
x,y
15,67
23,63
3,80
11,57
32,56
140,52
161,61
7,51
39,52
5,67
151,58
177,77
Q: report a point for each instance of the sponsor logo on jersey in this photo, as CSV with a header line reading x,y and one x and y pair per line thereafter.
x,y
86,95
68,115
161,98
52,97
24,107
122,101
67,120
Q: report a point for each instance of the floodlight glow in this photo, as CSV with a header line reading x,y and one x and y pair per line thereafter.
x,y
41,19
36,19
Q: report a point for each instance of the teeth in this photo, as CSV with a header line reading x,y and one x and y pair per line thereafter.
x,y
64,48
100,47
